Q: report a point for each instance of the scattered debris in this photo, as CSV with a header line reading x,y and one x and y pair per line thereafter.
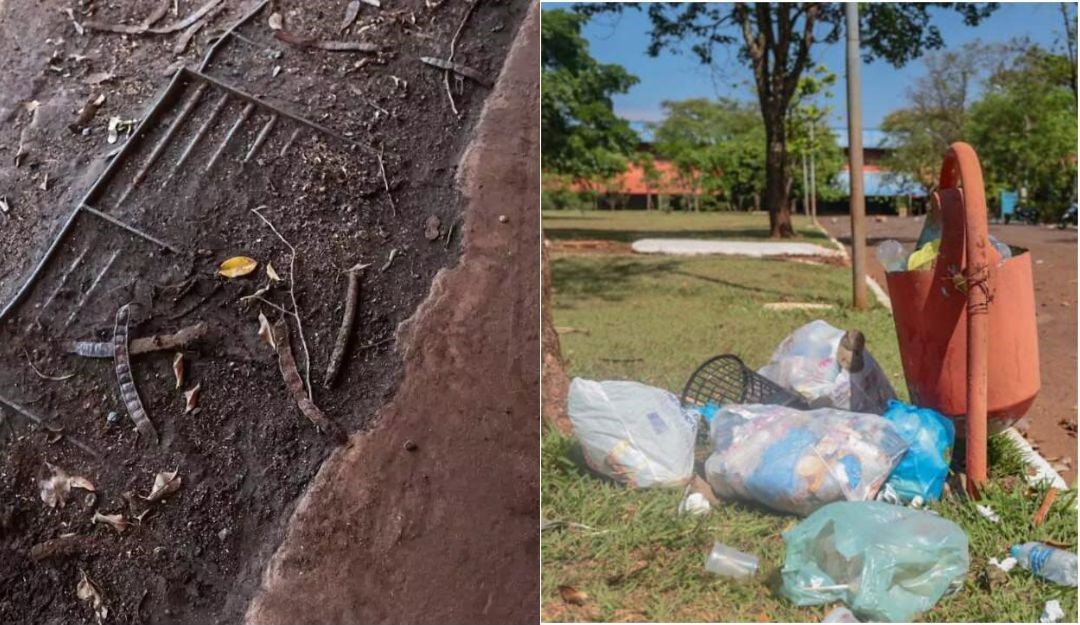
x,y
88,592
1052,612
116,521
113,418
266,332
237,266
374,3
87,113
351,12
694,504
272,273
728,562
128,393
145,27
450,58
114,132
840,615
74,22
185,38
547,524
274,21
504,219
161,342
287,364
988,513
390,260
431,227
63,545
178,369
457,68
329,46
55,489
386,183
1048,501
191,399
410,445
352,296
4,206
55,378
572,595
165,484
1005,565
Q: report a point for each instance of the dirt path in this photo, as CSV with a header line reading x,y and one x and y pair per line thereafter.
x,y
352,156
1051,423
433,516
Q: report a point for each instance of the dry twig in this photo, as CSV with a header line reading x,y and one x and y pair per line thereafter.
x,y
287,364
453,44
342,342
160,342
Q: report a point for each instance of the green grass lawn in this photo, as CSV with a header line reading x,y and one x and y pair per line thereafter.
x,y
627,226
654,319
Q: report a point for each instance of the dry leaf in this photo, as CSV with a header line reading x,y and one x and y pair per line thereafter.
x,y
117,521
572,595
178,369
88,592
266,332
275,21
192,398
272,273
238,266
165,484
54,491
114,130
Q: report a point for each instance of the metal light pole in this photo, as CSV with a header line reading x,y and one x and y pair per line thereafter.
x,y
855,158
805,187
813,177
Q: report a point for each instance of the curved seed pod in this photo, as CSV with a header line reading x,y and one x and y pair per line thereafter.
x,y
295,384
342,342
128,393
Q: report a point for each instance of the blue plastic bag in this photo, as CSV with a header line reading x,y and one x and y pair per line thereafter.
x,y
885,562
930,436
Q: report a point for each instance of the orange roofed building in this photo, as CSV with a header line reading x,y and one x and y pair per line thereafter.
x,y
631,189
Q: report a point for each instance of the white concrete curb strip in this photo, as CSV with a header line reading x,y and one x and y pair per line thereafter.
x,y
1043,470
879,293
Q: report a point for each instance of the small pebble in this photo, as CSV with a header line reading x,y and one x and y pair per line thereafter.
x,y
112,418
503,218
411,446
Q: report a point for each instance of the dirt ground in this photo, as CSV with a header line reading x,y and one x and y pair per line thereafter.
x,y
247,454
1051,423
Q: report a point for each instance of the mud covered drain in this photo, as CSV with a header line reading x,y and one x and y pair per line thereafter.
x,y
178,531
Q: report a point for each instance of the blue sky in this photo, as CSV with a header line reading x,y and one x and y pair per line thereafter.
x,y
622,39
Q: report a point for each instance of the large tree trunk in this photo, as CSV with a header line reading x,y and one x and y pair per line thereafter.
x,y
554,383
776,180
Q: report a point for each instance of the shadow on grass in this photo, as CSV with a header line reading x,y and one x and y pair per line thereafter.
x,y
608,281
734,285
629,236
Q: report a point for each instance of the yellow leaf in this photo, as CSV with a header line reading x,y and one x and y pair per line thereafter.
x,y
238,266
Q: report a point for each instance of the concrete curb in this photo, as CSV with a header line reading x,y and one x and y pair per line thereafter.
x,y
879,293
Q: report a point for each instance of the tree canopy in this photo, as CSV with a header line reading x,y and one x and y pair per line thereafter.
x,y
581,136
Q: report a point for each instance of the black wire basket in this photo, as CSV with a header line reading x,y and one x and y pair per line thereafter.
x,y
726,380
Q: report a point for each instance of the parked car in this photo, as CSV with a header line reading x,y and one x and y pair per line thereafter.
x,y
1068,217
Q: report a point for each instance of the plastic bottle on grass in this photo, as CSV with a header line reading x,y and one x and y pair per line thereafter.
x,y
728,562
891,255
1049,563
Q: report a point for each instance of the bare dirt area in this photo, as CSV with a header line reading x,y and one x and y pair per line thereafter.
x,y
1051,423
349,155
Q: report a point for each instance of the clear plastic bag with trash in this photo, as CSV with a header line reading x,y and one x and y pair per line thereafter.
x,y
886,563
922,471
636,434
797,461
830,368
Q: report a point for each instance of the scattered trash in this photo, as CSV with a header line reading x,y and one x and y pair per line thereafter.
x,y
329,46
797,461
352,296
191,399
128,393
922,471
840,615
116,521
637,435
885,562
144,345
923,258
728,562
55,489
830,368
1005,565
1052,612
114,130
88,592
1049,563
178,369
572,595
237,266
891,255
895,258
725,379
987,513
694,504
1040,514
165,484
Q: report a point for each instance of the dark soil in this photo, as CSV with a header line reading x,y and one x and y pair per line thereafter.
x,y
247,454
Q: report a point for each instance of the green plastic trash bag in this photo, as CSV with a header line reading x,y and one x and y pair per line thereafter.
x,y
886,563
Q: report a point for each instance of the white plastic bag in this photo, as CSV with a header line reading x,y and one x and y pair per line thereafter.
x,y
636,434
797,461
806,362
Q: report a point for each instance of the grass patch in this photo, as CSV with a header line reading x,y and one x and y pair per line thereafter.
x,y
628,226
654,320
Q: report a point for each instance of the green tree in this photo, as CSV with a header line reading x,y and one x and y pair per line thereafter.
x,y
776,40
1024,128
715,146
582,138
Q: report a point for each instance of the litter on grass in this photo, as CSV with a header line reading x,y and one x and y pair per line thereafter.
x,y
727,562
886,563
1005,565
797,461
830,368
1052,612
840,615
635,434
922,471
694,504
